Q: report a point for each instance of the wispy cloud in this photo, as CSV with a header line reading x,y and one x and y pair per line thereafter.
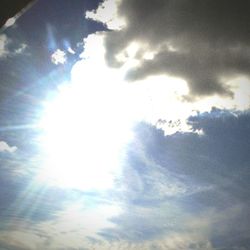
x,y
6,51
3,46
4,147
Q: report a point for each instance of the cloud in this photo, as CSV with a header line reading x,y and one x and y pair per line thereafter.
x,y
69,228
4,147
12,240
107,13
19,240
182,191
21,49
152,99
169,59
170,242
6,51
4,40
203,42
186,183
59,57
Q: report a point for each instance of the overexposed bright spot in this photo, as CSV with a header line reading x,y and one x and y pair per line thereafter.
x,y
59,57
83,137
85,128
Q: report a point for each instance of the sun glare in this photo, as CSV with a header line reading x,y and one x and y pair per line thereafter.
x,y
85,128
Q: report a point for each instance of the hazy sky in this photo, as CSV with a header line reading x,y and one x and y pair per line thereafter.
x,y
125,125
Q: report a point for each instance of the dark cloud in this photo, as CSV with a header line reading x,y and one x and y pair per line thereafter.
x,y
203,42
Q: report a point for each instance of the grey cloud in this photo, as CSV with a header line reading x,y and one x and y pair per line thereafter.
x,y
211,41
203,71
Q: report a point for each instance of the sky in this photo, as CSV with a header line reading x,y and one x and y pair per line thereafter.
x,y
125,125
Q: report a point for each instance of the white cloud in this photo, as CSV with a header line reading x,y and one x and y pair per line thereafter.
x,y
4,147
107,14
59,57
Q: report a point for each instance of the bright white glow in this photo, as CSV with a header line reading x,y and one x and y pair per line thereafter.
x,y
85,129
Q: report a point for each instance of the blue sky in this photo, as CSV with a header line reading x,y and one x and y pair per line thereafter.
x,y
125,125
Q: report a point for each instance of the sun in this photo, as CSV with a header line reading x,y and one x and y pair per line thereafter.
x,y
87,125
85,128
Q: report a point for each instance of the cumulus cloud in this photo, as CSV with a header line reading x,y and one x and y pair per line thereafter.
x,y
4,147
203,42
